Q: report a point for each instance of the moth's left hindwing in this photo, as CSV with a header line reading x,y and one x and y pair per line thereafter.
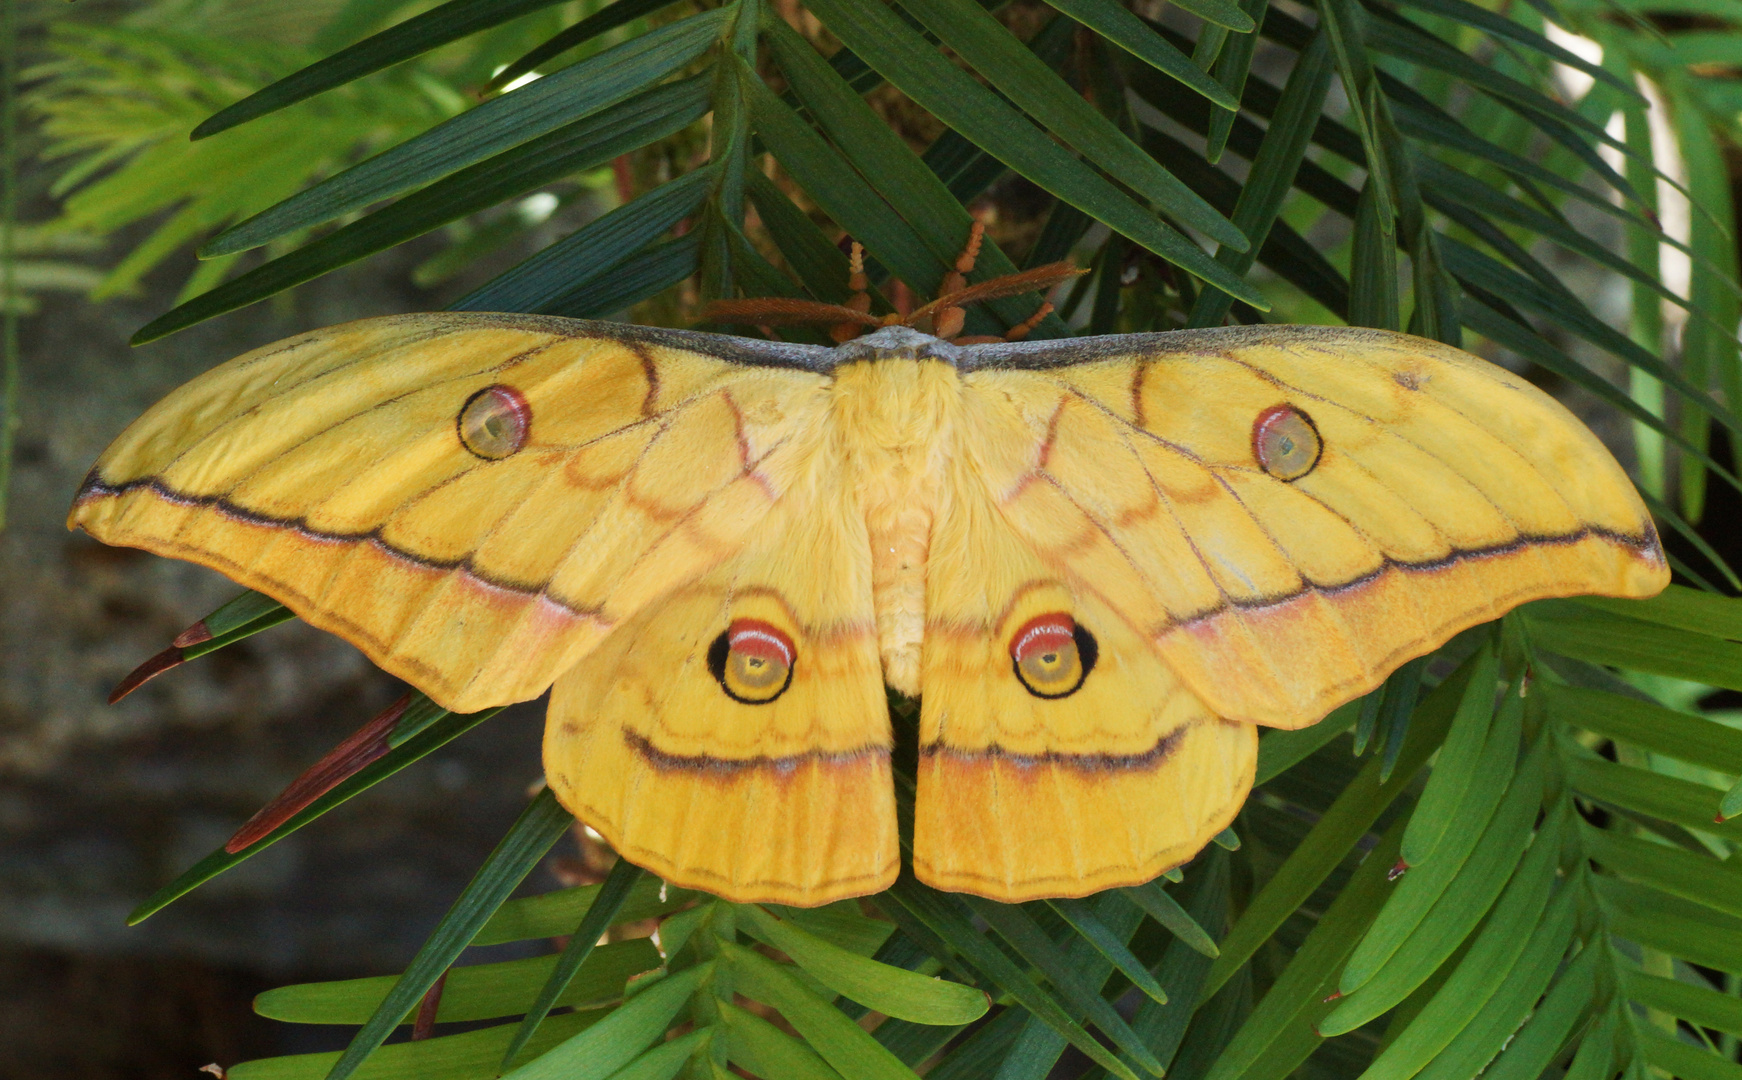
x,y
474,501
735,736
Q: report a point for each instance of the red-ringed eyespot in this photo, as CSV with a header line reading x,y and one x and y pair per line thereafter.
x,y
1286,442
753,661
1052,655
495,422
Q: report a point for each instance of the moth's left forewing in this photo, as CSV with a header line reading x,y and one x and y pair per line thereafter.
x,y
331,471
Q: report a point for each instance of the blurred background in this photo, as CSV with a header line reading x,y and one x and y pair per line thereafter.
x,y
100,804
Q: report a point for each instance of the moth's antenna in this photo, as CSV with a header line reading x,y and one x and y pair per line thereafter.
x,y
785,311
946,315
949,314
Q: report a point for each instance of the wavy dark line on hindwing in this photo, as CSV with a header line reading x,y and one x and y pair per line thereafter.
x,y
707,763
1144,760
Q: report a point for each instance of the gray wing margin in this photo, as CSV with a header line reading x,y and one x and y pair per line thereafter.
x,y
751,352
1063,352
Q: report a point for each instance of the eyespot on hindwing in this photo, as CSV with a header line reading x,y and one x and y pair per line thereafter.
x,y
753,661
1051,655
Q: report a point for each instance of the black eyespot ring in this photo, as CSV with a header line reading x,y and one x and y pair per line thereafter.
x,y
1051,655
753,661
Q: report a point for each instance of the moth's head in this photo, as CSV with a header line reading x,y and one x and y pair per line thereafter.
x,y
941,319
897,342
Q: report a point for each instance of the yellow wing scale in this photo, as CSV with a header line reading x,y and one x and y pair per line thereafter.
x,y
682,503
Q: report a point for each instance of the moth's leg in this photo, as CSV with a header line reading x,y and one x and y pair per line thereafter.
x,y
861,298
1021,329
1015,333
947,321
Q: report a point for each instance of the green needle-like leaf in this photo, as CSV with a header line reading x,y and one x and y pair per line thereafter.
x,y
1682,608
1273,170
1491,960
1500,1018
889,990
1693,932
1595,1059
1456,765
1461,904
882,159
1280,1032
602,21
1084,921
1016,926
470,1056
244,616
1717,885
666,1059
1423,886
538,827
592,250
1698,1005
1164,909
1373,299
1601,638
437,734
993,51
894,50
631,281
1337,832
1468,14
552,913
839,1041
943,916
1100,16
419,34
1677,1058
613,892
617,1040
1553,1021
1668,798
839,190
769,1052
571,94
582,145
1647,725
477,992
1281,750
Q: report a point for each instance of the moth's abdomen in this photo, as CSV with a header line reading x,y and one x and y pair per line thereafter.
x,y
894,422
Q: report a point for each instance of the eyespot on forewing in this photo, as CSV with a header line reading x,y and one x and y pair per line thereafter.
x,y
1051,655
1286,442
753,661
495,422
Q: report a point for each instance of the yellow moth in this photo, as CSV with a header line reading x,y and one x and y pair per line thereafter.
x,y
1100,563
